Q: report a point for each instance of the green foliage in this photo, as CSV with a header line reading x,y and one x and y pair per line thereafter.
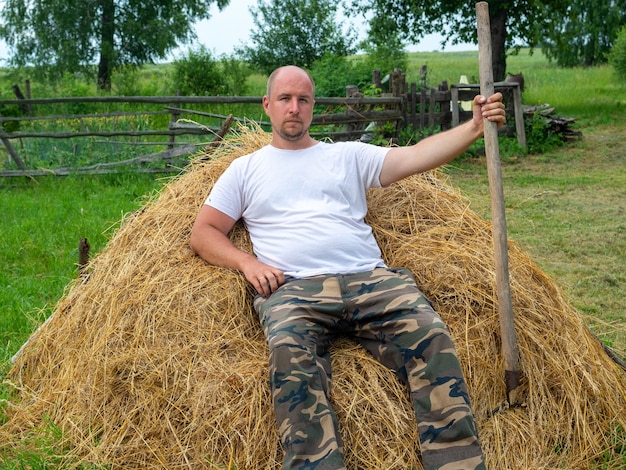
x,y
65,84
383,135
383,47
539,136
512,22
384,59
617,57
454,19
567,90
126,80
58,37
540,139
583,34
295,32
236,73
332,73
198,73
7,110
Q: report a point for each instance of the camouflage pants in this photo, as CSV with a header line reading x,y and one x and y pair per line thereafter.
x,y
385,312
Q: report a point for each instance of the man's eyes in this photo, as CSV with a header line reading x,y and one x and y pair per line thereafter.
x,y
288,98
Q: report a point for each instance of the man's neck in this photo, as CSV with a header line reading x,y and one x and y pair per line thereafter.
x,y
300,144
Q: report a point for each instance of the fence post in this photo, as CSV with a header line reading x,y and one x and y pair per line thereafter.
x,y
7,143
376,80
422,108
175,117
444,112
399,90
412,105
83,255
520,130
352,91
24,106
454,94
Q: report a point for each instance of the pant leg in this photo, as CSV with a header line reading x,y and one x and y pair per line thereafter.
x,y
396,323
298,320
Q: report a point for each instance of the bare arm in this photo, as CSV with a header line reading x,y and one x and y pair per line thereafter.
x,y
441,148
209,239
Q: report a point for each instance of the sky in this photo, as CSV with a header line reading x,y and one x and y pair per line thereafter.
x,y
231,27
219,36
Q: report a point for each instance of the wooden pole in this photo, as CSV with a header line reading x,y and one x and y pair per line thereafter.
x,y
14,155
505,308
83,255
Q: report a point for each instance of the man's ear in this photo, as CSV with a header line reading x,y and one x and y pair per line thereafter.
x,y
266,102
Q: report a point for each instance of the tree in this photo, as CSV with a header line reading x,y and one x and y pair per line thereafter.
x,y
617,57
384,47
513,22
583,35
296,32
66,36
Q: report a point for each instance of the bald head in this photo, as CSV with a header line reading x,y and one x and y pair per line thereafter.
x,y
290,71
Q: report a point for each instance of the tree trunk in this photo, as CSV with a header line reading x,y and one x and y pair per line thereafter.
x,y
497,21
107,36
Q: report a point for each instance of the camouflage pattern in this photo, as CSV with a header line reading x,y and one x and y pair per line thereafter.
x,y
385,312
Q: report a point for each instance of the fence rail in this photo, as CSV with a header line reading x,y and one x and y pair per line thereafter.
x,y
174,119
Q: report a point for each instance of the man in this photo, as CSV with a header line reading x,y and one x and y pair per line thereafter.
x,y
318,273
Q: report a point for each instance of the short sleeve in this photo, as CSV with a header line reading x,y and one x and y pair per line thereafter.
x,y
226,195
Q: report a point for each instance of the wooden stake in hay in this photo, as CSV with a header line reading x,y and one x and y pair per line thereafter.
x,y
500,239
156,359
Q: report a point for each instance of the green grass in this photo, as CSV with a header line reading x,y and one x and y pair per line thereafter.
x,y
42,222
566,208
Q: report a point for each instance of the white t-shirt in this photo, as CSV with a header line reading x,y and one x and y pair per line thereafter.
x,y
304,209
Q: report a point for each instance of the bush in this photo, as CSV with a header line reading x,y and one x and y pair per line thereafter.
x,y
235,73
7,110
197,73
540,137
333,73
142,80
617,56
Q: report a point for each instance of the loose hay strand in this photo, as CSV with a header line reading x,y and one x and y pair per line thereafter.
x,y
156,359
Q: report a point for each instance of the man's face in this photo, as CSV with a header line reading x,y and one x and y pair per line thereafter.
x,y
290,104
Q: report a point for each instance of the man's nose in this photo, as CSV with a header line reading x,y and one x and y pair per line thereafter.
x,y
294,106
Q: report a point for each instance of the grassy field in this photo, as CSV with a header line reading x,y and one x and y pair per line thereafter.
x,y
43,221
566,207
593,94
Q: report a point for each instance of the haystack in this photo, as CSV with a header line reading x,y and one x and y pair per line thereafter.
x,y
156,360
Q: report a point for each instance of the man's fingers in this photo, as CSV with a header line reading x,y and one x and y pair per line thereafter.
x,y
268,281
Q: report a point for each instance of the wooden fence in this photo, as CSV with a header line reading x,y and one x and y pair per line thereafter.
x,y
186,128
